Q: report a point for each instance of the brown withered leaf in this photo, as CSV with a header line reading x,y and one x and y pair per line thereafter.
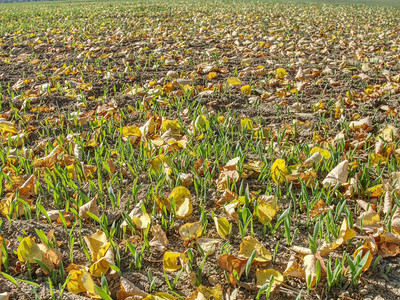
x,y
229,263
319,208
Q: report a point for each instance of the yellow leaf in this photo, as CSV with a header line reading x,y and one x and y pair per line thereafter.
x,y
85,86
221,119
364,250
182,199
234,81
246,89
131,131
171,261
75,285
141,221
369,218
279,171
246,123
98,244
263,277
212,75
160,296
171,124
266,208
206,293
28,250
161,160
378,159
191,230
324,153
375,191
318,105
7,127
344,235
390,134
5,204
88,284
249,244
222,226
280,73
103,264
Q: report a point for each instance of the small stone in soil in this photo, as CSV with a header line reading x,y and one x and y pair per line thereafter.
x,y
363,292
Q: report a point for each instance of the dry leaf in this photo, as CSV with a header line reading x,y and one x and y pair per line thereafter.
x,y
249,244
338,174
263,277
345,234
91,207
222,226
171,261
279,171
229,263
128,289
266,208
160,240
183,203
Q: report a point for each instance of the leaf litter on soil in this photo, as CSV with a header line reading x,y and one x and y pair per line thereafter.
x,y
199,150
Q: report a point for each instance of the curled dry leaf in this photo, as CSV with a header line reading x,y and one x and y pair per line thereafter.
x,y
207,244
388,250
338,174
227,196
230,173
310,269
294,268
91,207
345,234
222,226
319,208
364,250
313,159
128,289
365,124
171,261
230,263
396,221
206,293
183,201
309,177
139,218
4,296
266,208
27,189
187,179
160,240
279,171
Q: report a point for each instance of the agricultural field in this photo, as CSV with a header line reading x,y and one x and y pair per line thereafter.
x,y
199,150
